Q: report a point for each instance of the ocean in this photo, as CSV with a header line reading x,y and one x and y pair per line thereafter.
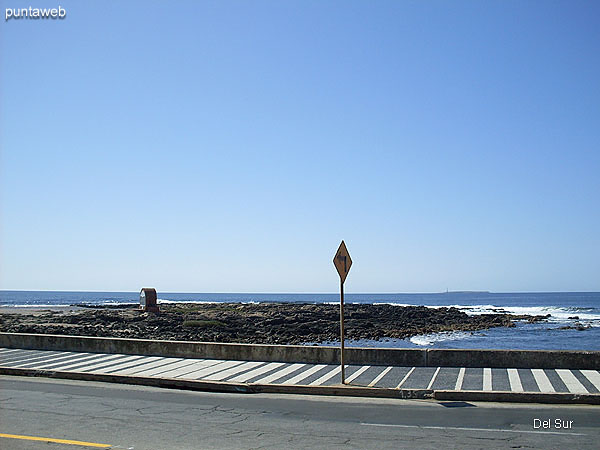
x,y
568,312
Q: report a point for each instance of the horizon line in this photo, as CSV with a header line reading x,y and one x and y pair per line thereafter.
x,y
463,291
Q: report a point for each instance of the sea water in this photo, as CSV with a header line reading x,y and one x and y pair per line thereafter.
x,y
566,309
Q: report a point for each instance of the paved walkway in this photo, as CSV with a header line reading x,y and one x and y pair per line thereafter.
x,y
436,378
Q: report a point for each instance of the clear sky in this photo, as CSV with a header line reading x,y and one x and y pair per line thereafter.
x,y
229,146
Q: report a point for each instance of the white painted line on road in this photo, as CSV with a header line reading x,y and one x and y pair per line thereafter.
x,y
256,372
485,430
460,379
593,376
356,374
380,376
307,373
571,381
233,371
487,379
280,373
405,377
542,380
329,375
433,378
514,380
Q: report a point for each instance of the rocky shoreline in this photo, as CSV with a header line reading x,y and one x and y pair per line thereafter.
x,y
263,323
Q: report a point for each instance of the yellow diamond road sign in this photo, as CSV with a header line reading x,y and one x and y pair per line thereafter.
x,y
342,261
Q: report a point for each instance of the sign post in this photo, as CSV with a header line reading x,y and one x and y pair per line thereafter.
x,y
342,263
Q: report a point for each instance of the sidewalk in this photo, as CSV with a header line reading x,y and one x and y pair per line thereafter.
x,y
544,385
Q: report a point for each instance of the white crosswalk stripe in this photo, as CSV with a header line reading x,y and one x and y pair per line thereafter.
x,y
256,372
29,359
74,363
573,384
307,373
119,365
192,366
280,374
514,380
487,379
405,378
435,374
207,367
219,366
151,362
159,369
542,380
100,365
357,374
219,376
593,376
9,350
34,359
378,378
333,372
460,379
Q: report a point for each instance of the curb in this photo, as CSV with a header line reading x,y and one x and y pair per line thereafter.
x,y
518,397
337,390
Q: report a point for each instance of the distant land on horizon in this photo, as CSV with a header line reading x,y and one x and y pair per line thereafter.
x,y
312,293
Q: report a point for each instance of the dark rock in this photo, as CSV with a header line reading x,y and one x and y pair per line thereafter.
x,y
267,323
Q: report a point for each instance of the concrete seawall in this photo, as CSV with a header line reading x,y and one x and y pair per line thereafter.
x,y
533,359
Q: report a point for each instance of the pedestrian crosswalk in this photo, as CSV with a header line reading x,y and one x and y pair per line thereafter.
x,y
257,372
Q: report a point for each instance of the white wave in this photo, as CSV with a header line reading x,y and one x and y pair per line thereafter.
x,y
65,305
479,309
203,302
162,300
108,303
41,305
473,309
557,314
398,304
430,339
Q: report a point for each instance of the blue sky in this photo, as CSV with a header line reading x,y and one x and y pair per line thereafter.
x,y
229,146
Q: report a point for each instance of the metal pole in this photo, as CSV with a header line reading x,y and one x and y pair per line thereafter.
x,y
342,331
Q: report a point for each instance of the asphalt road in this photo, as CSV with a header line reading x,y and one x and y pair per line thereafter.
x,y
130,417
